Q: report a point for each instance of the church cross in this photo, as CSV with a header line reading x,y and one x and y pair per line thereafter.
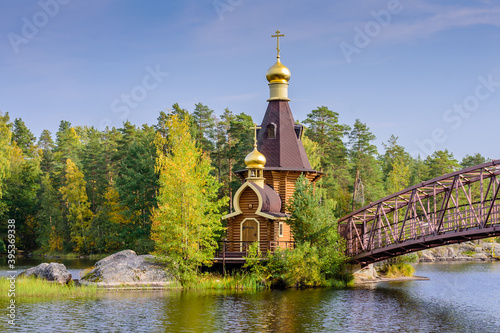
x,y
278,40
255,128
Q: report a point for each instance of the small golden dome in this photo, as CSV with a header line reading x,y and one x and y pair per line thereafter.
x,y
255,160
278,73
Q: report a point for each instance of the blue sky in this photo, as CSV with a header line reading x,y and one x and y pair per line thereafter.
x,y
427,72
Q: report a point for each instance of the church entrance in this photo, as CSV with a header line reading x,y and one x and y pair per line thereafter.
x,y
249,233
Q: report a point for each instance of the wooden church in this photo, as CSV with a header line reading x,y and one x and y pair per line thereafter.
x,y
277,160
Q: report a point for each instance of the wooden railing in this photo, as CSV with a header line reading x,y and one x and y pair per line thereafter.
x,y
237,250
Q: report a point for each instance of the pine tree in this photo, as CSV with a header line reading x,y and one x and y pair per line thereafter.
x,y
419,171
238,148
94,168
366,169
187,222
50,224
67,145
23,137
204,122
396,164
324,128
471,160
440,163
137,183
222,155
46,145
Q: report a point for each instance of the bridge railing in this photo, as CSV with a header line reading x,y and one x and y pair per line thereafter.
x,y
454,207
382,233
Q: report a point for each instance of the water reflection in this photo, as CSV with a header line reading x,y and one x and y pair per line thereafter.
x,y
420,306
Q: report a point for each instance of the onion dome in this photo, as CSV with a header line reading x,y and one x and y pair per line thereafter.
x,y
278,73
255,160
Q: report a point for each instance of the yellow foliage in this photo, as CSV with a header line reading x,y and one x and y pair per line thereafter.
x,y
115,210
75,196
55,242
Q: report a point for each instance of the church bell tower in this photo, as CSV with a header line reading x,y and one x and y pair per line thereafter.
x,y
279,138
278,158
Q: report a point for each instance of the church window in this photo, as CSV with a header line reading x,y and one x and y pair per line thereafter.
x,y
299,129
271,131
280,229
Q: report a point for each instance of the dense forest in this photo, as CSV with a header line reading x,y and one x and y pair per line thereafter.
x,y
90,191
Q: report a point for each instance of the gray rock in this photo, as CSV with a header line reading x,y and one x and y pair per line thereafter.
x,y
466,251
127,268
481,256
117,257
495,246
426,256
51,272
467,247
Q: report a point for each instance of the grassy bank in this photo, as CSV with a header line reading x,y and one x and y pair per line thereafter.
x,y
246,281
236,281
32,287
397,270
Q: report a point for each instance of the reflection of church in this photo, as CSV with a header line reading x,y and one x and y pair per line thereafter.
x,y
277,160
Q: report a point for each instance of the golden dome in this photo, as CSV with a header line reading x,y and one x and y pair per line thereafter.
x,y
255,160
278,73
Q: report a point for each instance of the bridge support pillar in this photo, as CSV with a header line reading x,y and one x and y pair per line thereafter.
x,y
361,272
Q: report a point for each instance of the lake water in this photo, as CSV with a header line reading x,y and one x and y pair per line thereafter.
x,y
459,297
74,266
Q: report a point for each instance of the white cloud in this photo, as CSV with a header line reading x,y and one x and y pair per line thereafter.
x,y
437,19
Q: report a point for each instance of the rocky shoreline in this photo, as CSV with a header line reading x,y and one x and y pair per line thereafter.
x,y
467,251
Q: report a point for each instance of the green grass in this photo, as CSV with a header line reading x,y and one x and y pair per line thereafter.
x,y
397,270
32,287
236,281
338,284
469,253
246,281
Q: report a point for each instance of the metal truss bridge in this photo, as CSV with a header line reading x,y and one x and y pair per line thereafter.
x,y
457,207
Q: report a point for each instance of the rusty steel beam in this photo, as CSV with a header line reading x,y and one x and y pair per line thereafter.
x,y
425,227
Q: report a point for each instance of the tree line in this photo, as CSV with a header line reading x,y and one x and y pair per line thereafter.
x,y
86,190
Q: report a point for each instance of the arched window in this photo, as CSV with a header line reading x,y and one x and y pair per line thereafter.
x,y
271,131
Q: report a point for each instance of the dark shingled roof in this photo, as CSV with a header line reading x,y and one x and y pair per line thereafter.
x,y
285,151
271,201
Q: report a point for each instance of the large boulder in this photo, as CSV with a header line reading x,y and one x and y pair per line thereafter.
x,y
54,271
127,268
